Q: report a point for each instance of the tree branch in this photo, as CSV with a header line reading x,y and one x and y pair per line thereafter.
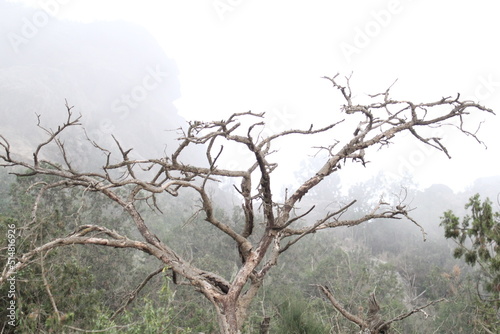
x,y
346,314
53,134
47,288
80,237
133,294
407,314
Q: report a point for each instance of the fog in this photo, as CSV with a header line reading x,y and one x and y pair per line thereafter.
x,y
138,71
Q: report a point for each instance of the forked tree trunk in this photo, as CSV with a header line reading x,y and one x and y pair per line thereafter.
x,y
228,317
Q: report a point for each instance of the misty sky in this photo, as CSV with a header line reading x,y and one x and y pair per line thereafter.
x,y
240,55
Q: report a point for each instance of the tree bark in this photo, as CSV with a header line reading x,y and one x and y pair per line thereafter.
x,y
227,316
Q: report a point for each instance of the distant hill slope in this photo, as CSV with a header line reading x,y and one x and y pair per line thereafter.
x,y
114,73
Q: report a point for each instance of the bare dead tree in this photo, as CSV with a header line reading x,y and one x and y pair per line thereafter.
x,y
127,182
373,323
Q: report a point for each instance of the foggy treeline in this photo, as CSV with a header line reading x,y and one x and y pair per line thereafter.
x,y
389,258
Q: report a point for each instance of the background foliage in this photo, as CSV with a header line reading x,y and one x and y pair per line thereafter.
x,y
389,258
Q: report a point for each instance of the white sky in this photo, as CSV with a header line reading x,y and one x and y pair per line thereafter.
x,y
239,55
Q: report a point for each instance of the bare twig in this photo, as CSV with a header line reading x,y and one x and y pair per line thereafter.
x,y
70,121
407,314
47,288
132,295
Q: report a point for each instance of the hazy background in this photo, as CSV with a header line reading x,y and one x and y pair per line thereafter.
x,y
137,69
